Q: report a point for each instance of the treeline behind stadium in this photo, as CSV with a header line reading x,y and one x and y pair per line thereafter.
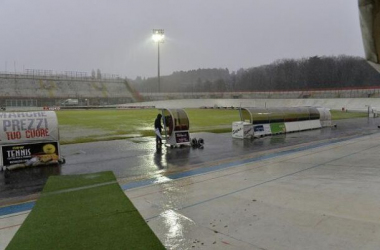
x,y
287,74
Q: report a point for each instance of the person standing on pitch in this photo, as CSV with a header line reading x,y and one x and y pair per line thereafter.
x,y
157,130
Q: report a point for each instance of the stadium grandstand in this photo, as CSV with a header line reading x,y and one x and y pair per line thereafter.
x,y
40,88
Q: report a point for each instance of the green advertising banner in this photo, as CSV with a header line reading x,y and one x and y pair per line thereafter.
x,y
278,127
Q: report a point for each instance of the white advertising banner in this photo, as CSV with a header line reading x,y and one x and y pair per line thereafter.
x,y
304,125
261,130
25,127
315,124
242,130
292,126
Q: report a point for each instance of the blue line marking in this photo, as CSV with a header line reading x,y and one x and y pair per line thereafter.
x,y
232,164
139,184
262,183
17,208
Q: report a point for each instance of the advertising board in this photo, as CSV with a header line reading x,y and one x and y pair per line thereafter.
x,y
25,155
241,130
278,128
21,127
261,130
182,137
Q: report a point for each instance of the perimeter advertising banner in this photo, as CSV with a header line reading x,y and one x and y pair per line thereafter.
x,y
261,130
23,127
242,130
25,155
278,128
182,137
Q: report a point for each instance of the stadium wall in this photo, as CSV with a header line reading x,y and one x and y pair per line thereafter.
x,y
369,92
350,104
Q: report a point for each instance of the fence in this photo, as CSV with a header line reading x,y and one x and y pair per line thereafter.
x,y
54,75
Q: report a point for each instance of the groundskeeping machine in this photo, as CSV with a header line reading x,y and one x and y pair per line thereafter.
x,y
29,139
259,122
176,127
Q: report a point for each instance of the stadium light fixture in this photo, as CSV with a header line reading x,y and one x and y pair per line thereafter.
x,y
158,37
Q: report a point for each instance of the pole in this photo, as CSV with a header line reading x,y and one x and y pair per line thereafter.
x,y
158,68
164,122
241,116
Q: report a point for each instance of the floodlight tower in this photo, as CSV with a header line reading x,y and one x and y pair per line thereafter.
x,y
158,37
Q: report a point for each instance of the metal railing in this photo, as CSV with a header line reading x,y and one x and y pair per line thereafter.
x,y
50,74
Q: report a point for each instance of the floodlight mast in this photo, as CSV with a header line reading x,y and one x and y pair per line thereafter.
x,y
158,37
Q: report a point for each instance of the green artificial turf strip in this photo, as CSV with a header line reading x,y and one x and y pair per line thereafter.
x,y
96,217
56,183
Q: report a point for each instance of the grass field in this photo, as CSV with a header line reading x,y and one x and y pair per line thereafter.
x,y
78,126
338,115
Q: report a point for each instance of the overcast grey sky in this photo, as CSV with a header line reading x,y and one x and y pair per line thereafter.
x,y
115,35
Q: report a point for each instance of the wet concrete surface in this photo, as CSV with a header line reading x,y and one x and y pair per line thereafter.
x,y
136,159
